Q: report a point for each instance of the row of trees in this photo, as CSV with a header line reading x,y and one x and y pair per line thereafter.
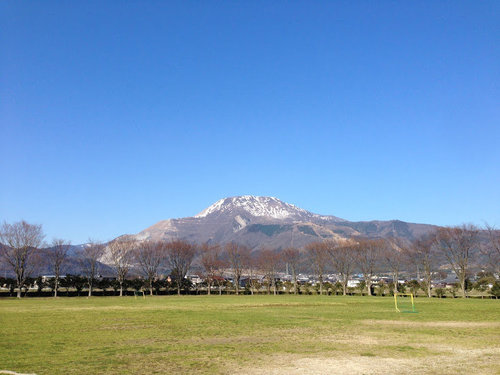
x,y
76,285
20,250
458,247
149,256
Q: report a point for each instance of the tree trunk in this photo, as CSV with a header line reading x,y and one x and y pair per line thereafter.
x,y
369,287
150,287
237,285
295,291
121,289
209,286
462,285
344,289
178,289
19,286
90,289
56,285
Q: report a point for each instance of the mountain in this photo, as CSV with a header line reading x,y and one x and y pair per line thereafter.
x,y
264,207
269,222
256,222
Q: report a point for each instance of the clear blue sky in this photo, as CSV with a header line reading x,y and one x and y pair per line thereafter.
x,y
115,115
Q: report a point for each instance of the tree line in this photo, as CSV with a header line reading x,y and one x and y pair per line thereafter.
x,y
460,247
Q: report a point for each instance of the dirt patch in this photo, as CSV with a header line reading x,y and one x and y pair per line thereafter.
x,y
339,366
478,362
453,324
355,339
127,327
291,304
237,340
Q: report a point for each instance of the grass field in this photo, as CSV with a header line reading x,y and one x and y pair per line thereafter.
x,y
248,335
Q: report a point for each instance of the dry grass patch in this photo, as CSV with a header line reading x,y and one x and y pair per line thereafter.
x,y
452,324
474,362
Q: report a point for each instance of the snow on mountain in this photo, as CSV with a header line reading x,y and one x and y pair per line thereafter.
x,y
268,207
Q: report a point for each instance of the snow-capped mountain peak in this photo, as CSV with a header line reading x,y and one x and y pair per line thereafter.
x,y
269,207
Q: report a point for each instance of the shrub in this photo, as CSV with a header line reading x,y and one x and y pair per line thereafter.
x,y
440,292
495,289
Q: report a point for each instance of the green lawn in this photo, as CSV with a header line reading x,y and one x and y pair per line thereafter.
x,y
248,335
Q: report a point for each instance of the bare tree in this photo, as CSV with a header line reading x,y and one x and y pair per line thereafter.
x,y
342,255
220,268
458,245
318,255
121,254
367,259
149,255
269,263
21,242
236,255
57,256
393,255
180,255
422,253
490,249
291,256
89,261
210,260
251,263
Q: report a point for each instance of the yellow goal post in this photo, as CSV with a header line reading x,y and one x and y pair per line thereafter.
x,y
398,305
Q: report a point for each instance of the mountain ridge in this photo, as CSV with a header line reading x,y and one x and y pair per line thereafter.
x,y
257,221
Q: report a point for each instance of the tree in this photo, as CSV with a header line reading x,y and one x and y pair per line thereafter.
x,y
495,290
458,245
236,255
381,287
342,256
57,256
393,255
362,286
490,249
219,278
19,246
269,262
291,256
251,263
318,256
89,261
484,281
414,285
368,258
120,252
180,255
422,253
149,255
440,292
210,261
